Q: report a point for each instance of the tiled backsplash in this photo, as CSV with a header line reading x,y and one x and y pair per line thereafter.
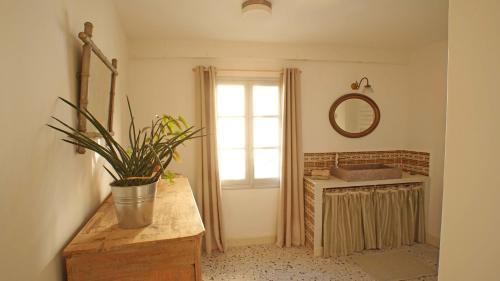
x,y
309,213
409,161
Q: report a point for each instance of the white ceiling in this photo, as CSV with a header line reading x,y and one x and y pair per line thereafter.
x,y
364,23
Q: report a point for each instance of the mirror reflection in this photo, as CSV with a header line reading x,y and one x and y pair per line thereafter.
x,y
354,115
99,90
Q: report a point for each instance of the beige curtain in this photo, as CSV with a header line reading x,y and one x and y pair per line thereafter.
x,y
368,218
291,207
358,219
209,190
400,216
388,218
348,222
416,198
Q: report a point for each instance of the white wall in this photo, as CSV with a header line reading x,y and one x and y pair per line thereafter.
x,y
470,245
427,123
161,80
323,83
47,191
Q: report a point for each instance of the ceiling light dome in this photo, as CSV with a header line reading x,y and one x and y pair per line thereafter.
x,y
256,5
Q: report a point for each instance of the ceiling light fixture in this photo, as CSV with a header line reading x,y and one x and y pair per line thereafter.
x,y
256,5
366,90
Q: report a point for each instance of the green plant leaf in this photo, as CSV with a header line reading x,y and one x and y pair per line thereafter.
x,y
150,148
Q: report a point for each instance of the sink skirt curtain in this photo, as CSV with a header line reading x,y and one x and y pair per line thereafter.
x,y
371,218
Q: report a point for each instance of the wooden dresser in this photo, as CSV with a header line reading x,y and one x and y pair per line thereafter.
x,y
168,249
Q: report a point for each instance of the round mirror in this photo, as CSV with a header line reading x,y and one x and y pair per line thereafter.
x,y
354,115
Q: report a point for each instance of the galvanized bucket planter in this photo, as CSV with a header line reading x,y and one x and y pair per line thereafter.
x,y
134,205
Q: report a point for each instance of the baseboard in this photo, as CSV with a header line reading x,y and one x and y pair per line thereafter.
x,y
432,240
248,241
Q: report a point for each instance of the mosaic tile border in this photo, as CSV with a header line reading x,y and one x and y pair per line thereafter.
x,y
408,160
309,213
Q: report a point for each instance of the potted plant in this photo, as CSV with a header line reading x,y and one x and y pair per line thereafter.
x,y
137,169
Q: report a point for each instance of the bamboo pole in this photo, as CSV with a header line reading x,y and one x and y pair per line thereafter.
x,y
88,40
112,96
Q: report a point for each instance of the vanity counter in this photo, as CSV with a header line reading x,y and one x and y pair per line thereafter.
x,y
335,182
313,197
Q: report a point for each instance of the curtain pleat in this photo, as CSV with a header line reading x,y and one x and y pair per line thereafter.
x,y
382,217
208,194
338,240
368,217
376,218
418,199
388,214
356,226
407,222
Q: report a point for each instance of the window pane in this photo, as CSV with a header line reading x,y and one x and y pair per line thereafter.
x,y
230,100
231,132
266,163
232,164
266,100
266,131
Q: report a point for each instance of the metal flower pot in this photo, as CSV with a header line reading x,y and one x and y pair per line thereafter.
x,y
134,205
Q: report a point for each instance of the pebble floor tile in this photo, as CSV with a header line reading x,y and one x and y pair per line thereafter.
x,y
271,263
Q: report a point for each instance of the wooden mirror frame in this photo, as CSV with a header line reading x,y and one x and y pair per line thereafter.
x,y
348,97
83,99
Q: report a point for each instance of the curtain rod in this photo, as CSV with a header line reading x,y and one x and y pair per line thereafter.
x,y
247,70
289,60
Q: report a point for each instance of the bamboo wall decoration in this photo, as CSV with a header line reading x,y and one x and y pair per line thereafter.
x,y
88,48
112,96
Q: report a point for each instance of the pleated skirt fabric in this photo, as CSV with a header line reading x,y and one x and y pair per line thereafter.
x,y
372,218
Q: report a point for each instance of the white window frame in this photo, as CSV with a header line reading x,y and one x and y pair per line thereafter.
x,y
250,182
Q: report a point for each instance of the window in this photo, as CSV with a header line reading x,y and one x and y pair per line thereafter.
x,y
249,133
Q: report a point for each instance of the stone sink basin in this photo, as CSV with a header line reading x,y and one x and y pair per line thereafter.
x,y
366,172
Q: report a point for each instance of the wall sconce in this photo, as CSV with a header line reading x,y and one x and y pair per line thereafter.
x,y
367,88
256,5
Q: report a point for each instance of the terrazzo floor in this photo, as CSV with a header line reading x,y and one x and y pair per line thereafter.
x,y
270,263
